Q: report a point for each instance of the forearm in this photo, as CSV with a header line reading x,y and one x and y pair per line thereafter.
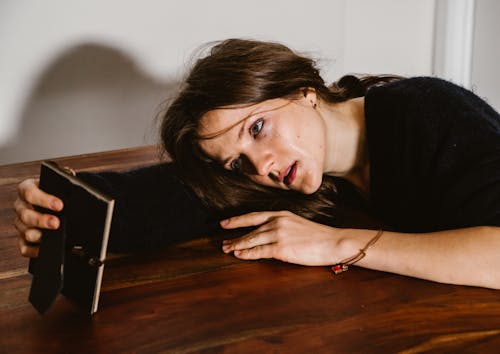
x,y
464,256
153,208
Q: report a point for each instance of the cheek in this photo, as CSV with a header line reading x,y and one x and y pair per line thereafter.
x,y
262,180
312,140
306,133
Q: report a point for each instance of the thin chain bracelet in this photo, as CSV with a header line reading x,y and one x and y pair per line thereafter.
x,y
344,265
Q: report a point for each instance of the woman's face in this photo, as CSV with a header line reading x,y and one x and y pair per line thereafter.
x,y
278,143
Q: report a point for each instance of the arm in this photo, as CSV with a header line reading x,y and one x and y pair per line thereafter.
x,y
464,256
467,256
152,209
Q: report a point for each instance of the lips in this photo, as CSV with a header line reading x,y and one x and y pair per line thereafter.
x,y
290,173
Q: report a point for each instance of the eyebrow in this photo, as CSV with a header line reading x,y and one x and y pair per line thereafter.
x,y
242,129
240,133
253,113
225,130
242,120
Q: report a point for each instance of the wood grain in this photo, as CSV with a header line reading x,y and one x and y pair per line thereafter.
x,y
192,298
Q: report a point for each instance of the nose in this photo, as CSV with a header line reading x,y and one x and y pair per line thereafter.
x,y
262,162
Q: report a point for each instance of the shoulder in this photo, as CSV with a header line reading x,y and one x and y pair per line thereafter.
x,y
430,99
434,152
423,89
418,84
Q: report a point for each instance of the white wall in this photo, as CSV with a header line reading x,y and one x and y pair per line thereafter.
x,y
485,77
61,92
388,36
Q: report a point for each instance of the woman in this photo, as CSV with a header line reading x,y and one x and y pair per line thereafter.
x,y
254,128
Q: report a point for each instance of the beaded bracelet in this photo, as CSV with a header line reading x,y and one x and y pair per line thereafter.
x,y
344,265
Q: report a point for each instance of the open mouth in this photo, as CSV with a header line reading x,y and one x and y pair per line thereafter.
x,y
290,174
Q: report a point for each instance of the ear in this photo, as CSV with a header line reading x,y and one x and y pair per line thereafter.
x,y
310,95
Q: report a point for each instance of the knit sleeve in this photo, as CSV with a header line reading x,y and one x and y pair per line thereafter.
x,y
153,208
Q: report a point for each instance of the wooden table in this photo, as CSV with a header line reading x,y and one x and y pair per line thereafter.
x,y
193,298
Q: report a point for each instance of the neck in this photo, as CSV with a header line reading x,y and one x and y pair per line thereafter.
x,y
347,154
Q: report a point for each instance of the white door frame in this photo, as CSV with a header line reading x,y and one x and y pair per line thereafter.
x,y
453,40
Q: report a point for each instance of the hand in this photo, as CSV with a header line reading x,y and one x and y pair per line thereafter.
x,y
28,221
284,236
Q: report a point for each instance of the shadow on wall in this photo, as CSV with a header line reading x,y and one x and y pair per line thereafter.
x,y
92,98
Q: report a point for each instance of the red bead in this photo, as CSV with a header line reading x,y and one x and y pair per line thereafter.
x,y
339,268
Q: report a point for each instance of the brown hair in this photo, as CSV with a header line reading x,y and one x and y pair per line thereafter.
x,y
245,72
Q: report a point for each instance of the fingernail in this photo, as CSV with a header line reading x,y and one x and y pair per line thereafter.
x,y
237,253
224,222
56,204
54,223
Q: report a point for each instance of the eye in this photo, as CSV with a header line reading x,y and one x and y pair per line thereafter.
x,y
236,165
256,127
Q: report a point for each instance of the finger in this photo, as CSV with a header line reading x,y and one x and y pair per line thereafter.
x,y
250,219
30,235
264,251
28,190
32,218
20,226
20,205
33,235
26,249
255,238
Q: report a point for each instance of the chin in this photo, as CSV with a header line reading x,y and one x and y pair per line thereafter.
x,y
308,190
311,187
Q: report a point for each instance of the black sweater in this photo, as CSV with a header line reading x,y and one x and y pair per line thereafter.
x,y
434,152
153,208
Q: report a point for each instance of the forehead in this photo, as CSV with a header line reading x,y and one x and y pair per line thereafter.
x,y
220,128
221,119
223,126
216,121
